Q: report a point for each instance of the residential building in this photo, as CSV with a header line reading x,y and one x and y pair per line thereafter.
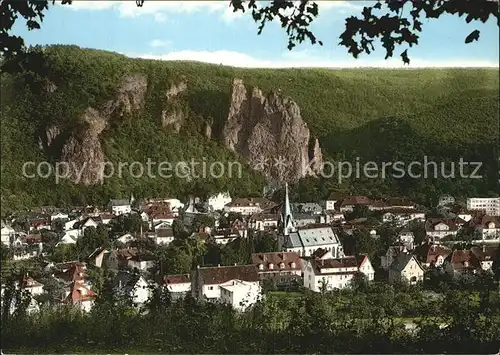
x,y
70,237
224,236
80,295
7,233
488,227
261,221
217,202
58,216
446,200
328,274
406,267
491,205
390,255
31,285
332,200
305,219
284,268
132,286
241,294
438,228
311,208
249,206
402,216
347,204
430,254
208,283
486,255
118,207
406,237
178,285
164,235
462,264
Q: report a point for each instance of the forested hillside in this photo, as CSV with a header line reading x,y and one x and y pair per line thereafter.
x,y
372,114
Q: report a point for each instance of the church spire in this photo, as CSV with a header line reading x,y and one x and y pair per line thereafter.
x,y
288,222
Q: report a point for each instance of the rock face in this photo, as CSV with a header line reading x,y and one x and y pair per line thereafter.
x,y
174,117
269,132
82,150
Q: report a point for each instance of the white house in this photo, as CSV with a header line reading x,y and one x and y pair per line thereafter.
x,y
178,285
486,255
70,237
402,216
119,207
217,202
332,200
208,283
329,274
248,206
134,286
175,205
489,227
491,206
7,233
222,238
406,267
241,294
162,217
164,235
432,254
437,228
69,225
141,262
407,238
106,218
126,238
80,295
262,221
34,287
365,267
58,215
446,200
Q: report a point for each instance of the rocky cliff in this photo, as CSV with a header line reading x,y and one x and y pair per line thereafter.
x,y
269,132
266,131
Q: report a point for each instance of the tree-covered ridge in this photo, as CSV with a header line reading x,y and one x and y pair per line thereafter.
x,y
370,113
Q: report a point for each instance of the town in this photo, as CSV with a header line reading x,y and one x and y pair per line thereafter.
x,y
237,251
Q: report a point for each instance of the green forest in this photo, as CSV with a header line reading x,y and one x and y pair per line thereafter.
x,y
370,114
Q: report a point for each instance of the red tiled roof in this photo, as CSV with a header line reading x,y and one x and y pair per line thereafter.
x,y
222,274
463,260
346,262
431,224
79,293
278,259
428,253
355,200
177,279
486,253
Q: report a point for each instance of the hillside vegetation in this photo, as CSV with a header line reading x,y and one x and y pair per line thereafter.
x,y
373,114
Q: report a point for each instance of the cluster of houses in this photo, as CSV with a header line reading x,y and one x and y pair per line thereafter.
x,y
309,251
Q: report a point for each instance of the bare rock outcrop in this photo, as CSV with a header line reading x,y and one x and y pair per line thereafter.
x,y
270,133
173,117
83,150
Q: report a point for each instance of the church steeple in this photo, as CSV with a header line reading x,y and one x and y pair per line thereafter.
x,y
288,222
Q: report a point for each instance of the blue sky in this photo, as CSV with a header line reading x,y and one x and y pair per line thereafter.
x,y
209,31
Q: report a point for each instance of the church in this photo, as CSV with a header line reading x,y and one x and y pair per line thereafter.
x,y
306,240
